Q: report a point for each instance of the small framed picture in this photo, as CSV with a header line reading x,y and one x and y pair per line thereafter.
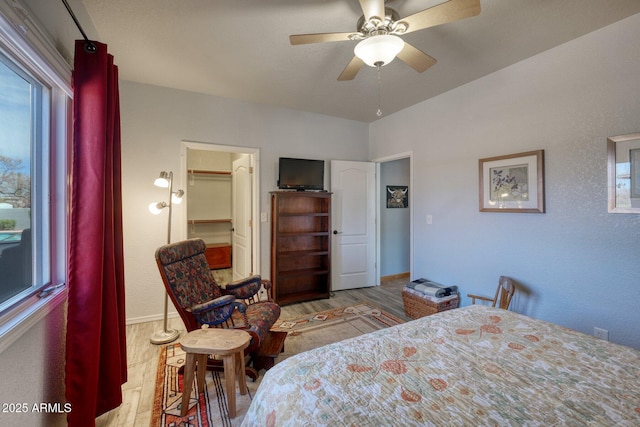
x,y
397,196
512,183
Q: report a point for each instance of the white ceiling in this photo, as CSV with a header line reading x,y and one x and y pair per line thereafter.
x,y
240,48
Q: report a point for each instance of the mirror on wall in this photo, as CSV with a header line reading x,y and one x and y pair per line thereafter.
x,y
623,153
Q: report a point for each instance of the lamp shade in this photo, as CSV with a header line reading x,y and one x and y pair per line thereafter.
x,y
177,196
162,181
156,207
379,50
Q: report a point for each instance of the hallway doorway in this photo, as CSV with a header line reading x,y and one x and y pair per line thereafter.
x,y
395,243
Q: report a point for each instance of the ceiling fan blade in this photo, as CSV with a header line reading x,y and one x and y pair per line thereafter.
x,y
415,58
443,13
351,69
319,38
372,8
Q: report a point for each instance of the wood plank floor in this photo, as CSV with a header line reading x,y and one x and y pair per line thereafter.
x,y
142,356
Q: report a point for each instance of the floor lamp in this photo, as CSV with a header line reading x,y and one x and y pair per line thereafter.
x,y
165,180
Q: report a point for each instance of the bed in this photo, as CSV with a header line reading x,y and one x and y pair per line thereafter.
x,y
475,365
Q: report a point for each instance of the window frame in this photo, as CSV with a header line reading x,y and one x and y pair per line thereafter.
x,y
40,162
23,42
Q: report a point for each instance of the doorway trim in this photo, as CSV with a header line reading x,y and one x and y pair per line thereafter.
x,y
254,153
379,204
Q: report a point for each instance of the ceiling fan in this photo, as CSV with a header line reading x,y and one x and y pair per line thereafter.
x,y
379,29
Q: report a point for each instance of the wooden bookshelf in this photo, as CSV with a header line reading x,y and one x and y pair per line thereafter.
x,y
300,245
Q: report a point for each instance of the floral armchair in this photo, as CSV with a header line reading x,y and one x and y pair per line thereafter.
x,y
200,300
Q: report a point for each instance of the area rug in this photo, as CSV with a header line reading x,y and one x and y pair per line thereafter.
x,y
315,330
206,409
304,333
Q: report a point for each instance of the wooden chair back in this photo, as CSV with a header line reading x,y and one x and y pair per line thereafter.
x,y
504,293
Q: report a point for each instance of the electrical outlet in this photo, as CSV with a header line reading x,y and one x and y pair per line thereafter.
x,y
603,334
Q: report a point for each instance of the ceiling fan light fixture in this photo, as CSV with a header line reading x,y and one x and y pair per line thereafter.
x,y
379,50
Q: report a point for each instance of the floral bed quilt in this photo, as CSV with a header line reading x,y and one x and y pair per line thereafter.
x,y
470,366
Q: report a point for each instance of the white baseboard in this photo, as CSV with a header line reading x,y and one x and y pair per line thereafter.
x,y
152,318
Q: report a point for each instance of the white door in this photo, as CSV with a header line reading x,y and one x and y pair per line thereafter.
x,y
353,219
241,217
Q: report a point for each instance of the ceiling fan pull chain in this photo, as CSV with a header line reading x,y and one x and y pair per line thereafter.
x,y
379,112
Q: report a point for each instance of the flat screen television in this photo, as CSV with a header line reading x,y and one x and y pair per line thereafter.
x,y
300,174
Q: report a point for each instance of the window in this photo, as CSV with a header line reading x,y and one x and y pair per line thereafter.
x,y
24,183
35,100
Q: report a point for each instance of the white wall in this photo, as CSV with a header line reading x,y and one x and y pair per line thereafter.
x,y
577,263
154,122
33,373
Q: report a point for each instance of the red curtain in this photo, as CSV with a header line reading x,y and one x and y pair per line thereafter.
x,y
96,363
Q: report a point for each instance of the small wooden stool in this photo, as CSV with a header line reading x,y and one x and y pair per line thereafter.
x,y
226,343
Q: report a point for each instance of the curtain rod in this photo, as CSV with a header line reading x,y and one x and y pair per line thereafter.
x,y
89,46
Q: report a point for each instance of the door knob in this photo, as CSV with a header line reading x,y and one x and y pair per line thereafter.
x,y
337,232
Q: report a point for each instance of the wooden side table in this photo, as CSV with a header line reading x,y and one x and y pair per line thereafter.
x,y
269,349
229,344
218,255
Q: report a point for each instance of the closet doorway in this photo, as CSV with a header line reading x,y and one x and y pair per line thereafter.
x,y
221,194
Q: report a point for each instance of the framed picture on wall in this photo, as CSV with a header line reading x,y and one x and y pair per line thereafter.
x,y
512,183
397,196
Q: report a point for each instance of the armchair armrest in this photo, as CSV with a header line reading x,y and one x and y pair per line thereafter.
x,y
210,305
480,297
215,311
244,288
